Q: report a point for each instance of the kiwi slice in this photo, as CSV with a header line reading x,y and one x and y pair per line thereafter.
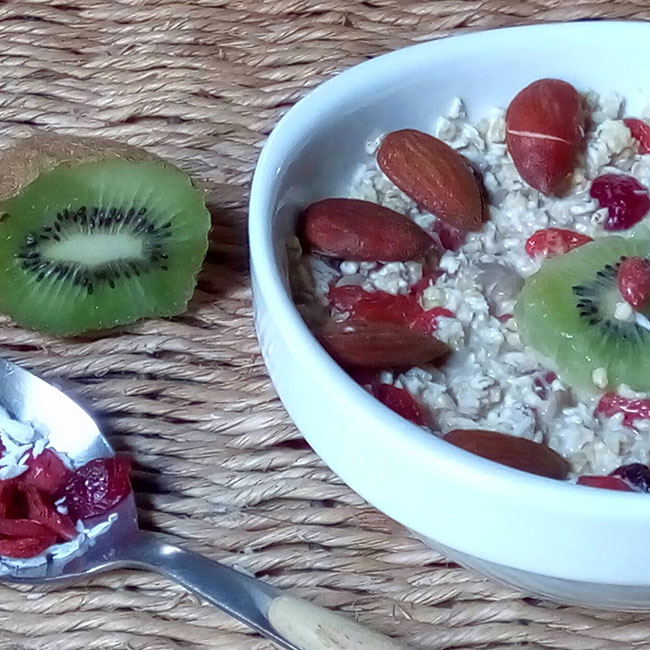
x,y
95,234
566,312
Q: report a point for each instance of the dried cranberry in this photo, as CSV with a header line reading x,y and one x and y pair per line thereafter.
x,y
12,502
450,238
640,131
46,472
376,305
427,321
45,513
539,388
365,377
624,197
636,475
380,306
29,520
634,281
632,408
400,401
426,281
541,383
25,547
24,528
554,241
97,487
346,297
604,482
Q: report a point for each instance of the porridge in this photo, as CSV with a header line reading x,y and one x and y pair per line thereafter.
x,y
464,289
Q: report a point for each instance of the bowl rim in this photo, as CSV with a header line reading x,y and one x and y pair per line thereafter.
x,y
567,496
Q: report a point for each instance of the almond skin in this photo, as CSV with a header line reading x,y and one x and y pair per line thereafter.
x,y
362,344
435,176
545,133
361,231
526,455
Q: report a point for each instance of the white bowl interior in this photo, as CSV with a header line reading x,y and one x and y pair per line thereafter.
x,y
525,522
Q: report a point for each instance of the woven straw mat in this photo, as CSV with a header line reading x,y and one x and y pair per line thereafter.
x,y
218,464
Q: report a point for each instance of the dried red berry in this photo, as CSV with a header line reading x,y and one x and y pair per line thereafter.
x,y
632,408
24,528
40,510
554,241
640,131
604,482
365,377
346,297
25,547
46,472
624,197
426,281
450,238
376,305
29,520
400,401
427,321
636,475
97,487
12,502
542,383
634,281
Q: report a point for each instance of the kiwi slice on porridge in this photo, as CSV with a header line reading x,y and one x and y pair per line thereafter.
x,y
95,234
568,312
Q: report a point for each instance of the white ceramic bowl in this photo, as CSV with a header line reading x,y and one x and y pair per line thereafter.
x,y
569,543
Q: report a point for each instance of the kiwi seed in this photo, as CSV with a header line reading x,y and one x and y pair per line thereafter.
x,y
566,311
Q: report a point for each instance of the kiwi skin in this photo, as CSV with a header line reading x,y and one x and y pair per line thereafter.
x,y
31,158
26,159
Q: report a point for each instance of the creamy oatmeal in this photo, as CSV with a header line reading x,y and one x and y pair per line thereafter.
x,y
492,381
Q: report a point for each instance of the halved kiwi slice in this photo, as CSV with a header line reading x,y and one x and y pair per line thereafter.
x,y
566,312
94,234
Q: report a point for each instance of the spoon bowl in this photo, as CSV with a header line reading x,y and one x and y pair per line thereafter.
x,y
70,431
291,623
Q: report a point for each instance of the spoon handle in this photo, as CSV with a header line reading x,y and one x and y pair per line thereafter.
x,y
290,622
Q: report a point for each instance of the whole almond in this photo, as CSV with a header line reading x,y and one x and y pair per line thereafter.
x,y
545,133
365,344
435,176
526,455
362,231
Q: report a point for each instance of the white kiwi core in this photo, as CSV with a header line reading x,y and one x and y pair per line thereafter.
x,y
95,249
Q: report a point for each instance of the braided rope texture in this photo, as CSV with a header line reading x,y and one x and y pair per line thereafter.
x,y
218,464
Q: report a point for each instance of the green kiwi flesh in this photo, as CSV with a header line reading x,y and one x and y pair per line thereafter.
x,y
100,244
566,312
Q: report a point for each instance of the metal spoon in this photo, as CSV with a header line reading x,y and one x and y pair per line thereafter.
x,y
290,622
